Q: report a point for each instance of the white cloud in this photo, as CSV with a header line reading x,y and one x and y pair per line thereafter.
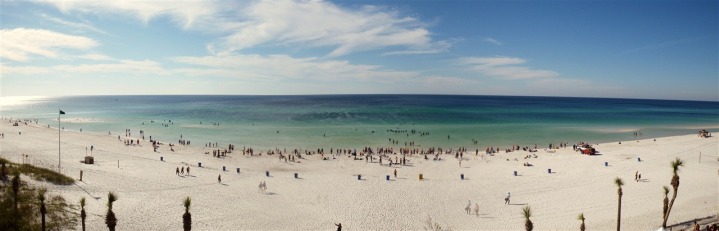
x,y
143,67
96,57
77,25
184,13
281,23
20,43
282,67
125,67
447,81
437,47
493,41
504,67
323,24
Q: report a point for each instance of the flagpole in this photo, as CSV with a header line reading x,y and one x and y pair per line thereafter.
x,y
58,141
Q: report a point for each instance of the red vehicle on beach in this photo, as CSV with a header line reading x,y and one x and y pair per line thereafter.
x,y
587,150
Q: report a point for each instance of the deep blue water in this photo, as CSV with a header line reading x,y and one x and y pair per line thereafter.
x,y
348,120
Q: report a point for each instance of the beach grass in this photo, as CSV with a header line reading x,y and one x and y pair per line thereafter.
x,y
40,174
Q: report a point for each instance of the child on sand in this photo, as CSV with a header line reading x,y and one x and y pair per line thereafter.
x,y
468,209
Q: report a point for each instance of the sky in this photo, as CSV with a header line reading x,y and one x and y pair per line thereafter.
x,y
612,49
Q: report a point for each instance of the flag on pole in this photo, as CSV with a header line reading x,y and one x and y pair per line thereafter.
x,y
62,112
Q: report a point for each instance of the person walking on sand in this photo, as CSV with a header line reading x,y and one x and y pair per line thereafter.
x,y
219,178
636,174
182,170
259,188
395,173
468,209
506,199
476,209
177,171
188,170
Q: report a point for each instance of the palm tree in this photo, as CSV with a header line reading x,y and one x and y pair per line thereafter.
x,y
675,184
666,201
187,217
619,182
83,215
15,191
110,219
43,210
581,218
3,171
527,212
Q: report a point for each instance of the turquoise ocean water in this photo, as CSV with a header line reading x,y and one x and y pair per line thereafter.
x,y
355,121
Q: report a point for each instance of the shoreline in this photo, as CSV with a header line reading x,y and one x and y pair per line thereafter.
x,y
328,191
401,145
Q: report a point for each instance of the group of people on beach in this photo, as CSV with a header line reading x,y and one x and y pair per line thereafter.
x,y
180,171
469,208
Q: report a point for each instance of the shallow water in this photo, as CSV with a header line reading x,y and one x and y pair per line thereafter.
x,y
354,121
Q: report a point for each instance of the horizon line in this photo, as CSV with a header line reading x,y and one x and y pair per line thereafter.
x,y
373,94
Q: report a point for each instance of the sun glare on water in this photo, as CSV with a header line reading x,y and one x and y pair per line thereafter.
x,y
12,101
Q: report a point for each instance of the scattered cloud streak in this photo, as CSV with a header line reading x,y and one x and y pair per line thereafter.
x,y
76,25
323,24
283,67
281,23
185,13
125,67
504,67
493,41
20,43
656,46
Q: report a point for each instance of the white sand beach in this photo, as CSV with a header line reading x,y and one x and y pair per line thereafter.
x,y
328,191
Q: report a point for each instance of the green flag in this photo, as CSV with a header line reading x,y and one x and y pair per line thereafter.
x,y
62,112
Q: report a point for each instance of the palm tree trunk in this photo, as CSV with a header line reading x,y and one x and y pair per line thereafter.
x,y
42,212
619,211
83,215
665,207
671,204
187,221
110,220
528,225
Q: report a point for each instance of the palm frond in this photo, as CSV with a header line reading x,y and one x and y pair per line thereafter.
x,y
527,212
187,203
619,182
111,197
676,164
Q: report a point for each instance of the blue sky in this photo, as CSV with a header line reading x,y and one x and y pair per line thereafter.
x,y
617,49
